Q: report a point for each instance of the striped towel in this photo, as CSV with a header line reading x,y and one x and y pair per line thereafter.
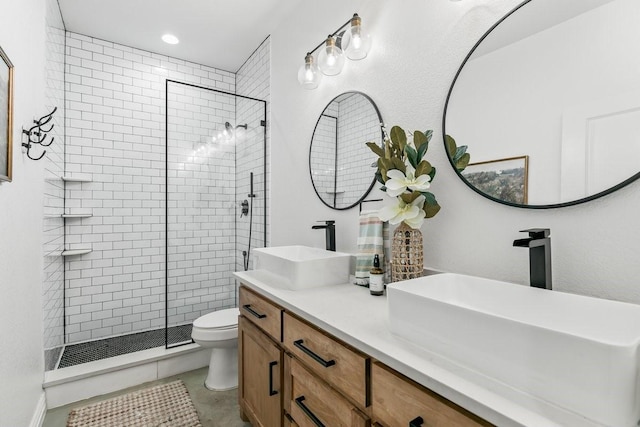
x,y
370,242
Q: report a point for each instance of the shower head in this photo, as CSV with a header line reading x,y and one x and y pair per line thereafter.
x,y
229,128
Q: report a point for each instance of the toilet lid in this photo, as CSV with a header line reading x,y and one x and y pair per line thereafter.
x,y
221,319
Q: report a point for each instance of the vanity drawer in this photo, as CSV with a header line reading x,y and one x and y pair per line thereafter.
x,y
262,312
314,403
398,402
343,368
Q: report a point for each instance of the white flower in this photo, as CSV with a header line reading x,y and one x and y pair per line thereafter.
x,y
411,213
397,182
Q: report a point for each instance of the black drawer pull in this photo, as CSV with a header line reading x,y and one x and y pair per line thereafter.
x,y
416,422
308,412
272,392
252,311
320,360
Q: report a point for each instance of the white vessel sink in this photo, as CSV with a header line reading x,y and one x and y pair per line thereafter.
x,y
576,352
303,267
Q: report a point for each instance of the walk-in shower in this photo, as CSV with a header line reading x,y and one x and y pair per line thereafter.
x,y
176,236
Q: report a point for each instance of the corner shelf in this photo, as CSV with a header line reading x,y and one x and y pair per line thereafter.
x,y
72,252
77,215
76,179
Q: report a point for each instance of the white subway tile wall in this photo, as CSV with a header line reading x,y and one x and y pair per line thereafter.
x,y
359,123
201,208
115,99
252,80
323,153
53,278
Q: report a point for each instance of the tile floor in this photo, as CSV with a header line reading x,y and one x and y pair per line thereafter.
x,y
76,354
215,409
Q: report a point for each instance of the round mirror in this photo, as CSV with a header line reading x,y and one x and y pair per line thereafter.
x,y
548,104
341,165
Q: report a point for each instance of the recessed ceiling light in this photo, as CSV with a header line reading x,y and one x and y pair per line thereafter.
x,y
170,38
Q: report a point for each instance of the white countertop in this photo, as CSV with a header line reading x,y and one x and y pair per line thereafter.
x,y
351,314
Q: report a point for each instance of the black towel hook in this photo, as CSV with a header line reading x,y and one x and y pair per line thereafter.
x,y
37,134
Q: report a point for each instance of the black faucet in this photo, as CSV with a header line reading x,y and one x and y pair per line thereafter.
x,y
539,245
330,233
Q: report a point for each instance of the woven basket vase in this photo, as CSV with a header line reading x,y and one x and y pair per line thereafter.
x,y
406,253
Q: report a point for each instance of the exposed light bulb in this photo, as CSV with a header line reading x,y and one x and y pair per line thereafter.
x,y
356,41
308,75
331,58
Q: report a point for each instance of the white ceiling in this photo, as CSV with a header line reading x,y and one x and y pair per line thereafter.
x,y
218,33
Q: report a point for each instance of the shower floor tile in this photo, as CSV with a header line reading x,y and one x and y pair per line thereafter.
x,y
76,354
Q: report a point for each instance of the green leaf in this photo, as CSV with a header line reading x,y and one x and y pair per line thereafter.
x,y
460,151
412,155
387,149
432,174
383,166
428,134
451,145
424,167
463,162
376,148
399,137
420,139
431,210
396,163
429,198
422,151
410,197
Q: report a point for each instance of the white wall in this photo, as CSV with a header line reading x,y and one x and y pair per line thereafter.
x,y
53,242
22,36
417,48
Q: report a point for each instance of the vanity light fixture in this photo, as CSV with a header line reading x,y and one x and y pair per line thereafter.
x,y
170,39
309,75
356,44
331,58
356,41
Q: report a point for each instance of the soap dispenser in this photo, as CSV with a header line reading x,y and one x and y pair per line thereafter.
x,y
376,278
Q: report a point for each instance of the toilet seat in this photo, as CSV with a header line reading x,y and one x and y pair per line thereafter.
x,y
221,320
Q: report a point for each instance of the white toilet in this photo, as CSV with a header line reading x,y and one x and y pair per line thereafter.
x,y
219,332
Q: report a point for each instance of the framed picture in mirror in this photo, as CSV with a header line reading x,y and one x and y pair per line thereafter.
x,y
503,179
6,116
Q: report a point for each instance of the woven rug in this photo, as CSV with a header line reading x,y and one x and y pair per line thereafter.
x,y
166,405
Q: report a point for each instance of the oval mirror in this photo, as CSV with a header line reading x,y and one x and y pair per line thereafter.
x,y
339,161
548,104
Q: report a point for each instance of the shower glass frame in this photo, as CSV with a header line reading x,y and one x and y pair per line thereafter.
x,y
264,189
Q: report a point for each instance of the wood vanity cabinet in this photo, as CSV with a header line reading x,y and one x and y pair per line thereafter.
x,y
294,374
259,361
345,369
400,402
312,402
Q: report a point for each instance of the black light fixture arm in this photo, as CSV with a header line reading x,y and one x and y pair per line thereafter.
x,y
335,33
